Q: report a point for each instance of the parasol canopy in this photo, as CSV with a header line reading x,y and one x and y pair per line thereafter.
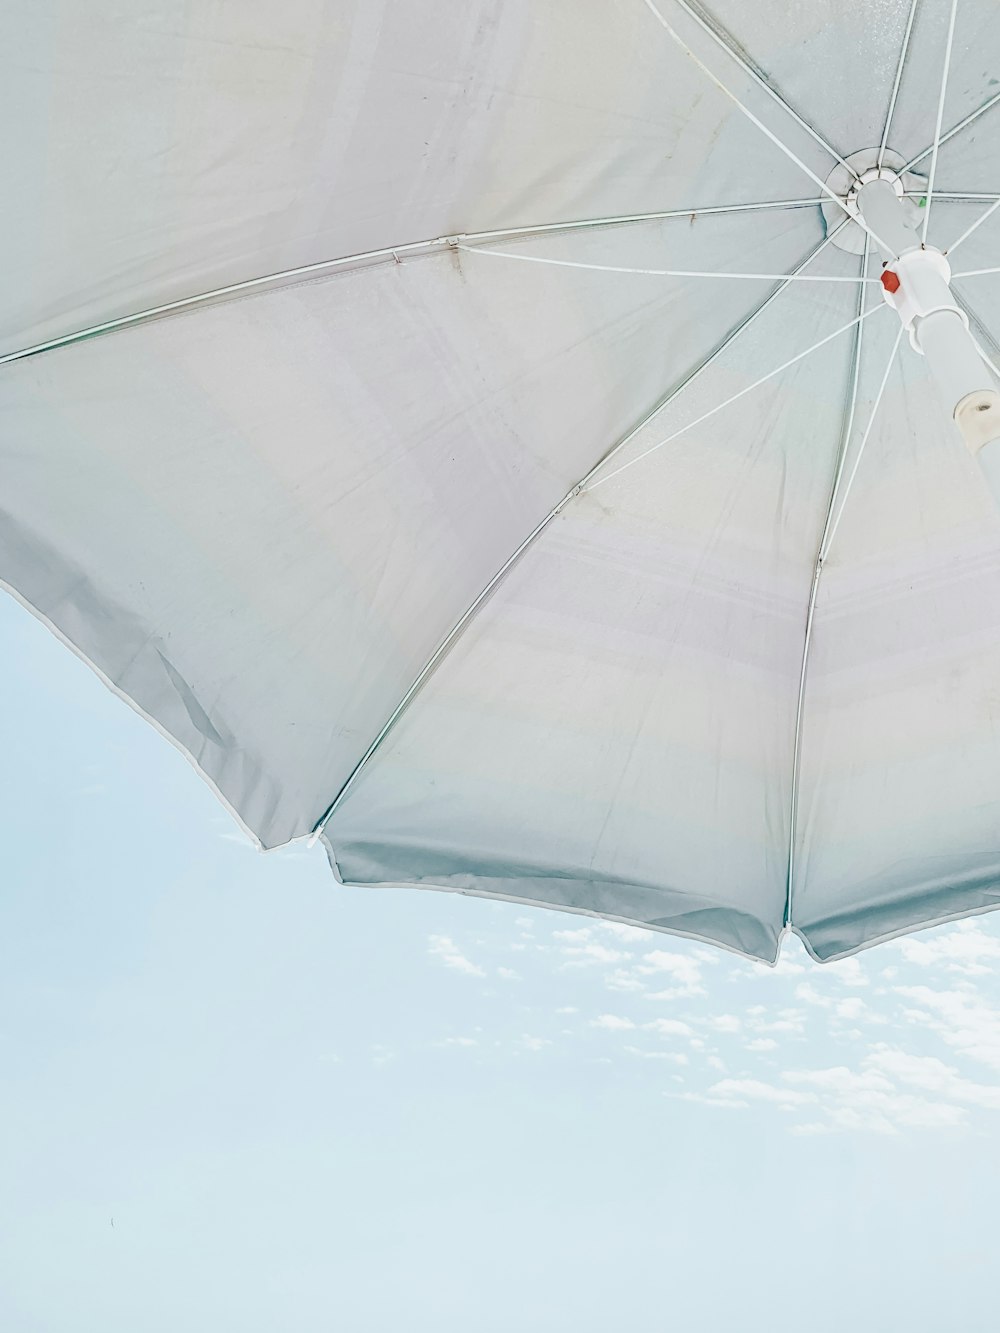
x,y
547,449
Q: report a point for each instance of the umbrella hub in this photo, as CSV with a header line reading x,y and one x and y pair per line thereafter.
x,y
908,185
916,282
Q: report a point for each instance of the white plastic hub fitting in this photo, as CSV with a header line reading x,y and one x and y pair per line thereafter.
x,y
876,173
916,284
847,182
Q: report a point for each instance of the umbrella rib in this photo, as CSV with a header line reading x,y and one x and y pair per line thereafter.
x,y
829,528
850,408
833,523
980,327
658,272
728,44
861,447
954,196
990,364
810,620
627,218
779,143
956,129
896,82
457,629
974,227
386,255
785,365
946,69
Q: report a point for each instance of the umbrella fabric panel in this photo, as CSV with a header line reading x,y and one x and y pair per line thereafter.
x,y
836,64
833,62
614,731
258,519
971,160
165,149
900,812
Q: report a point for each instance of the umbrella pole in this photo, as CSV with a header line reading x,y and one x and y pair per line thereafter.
x,y
915,282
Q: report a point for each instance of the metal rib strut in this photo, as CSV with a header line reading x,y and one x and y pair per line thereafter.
x,y
850,408
940,117
895,87
386,255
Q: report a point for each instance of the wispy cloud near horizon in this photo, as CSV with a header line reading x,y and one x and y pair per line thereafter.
x,y
887,1042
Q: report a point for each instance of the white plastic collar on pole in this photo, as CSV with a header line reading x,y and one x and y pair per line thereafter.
x,y
916,285
915,282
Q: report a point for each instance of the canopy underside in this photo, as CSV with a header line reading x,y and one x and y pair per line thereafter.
x,y
281,522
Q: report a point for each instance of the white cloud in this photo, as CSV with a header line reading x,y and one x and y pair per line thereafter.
x,y
962,1018
964,948
848,971
705,1099
891,1091
784,967
674,1057
616,948
441,946
682,968
580,947
792,961
623,932
684,972
735,1090
868,1100
725,1023
582,954
884,1088
528,1043
808,994
669,1027
841,1081
624,980
788,1020
932,1075
612,1023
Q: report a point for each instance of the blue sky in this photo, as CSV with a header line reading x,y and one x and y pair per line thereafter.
x,y
236,1096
